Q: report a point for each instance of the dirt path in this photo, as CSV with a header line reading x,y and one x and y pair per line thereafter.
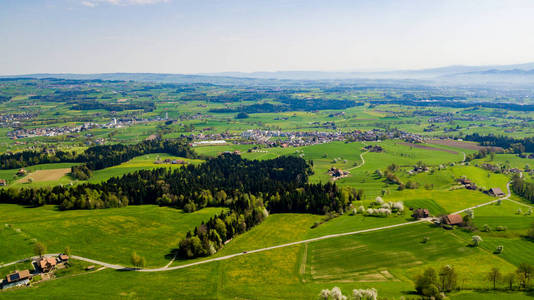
x,y
363,161
168,268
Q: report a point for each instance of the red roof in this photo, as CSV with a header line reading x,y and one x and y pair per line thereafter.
x,y
454,219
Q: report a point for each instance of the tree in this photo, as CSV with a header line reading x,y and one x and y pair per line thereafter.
x,y
324,294
364,294
67,251
423,281
510,280
448,277
524,272
138,261
494,275
432,292
336,294
470,213
241,115
530,233
39,249
476,240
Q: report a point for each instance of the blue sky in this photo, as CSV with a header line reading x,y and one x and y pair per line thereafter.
x,y
196,36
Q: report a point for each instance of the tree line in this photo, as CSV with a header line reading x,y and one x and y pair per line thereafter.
x,y
523,188
97,157
291,104
517,145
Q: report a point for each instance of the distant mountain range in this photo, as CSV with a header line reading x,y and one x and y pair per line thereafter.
x,y
443,73
519,74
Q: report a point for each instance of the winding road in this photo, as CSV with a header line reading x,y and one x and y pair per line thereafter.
x,y
363,161
169,268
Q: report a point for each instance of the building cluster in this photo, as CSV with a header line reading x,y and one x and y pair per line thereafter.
x,y
11,120
71,130
42,266
305,138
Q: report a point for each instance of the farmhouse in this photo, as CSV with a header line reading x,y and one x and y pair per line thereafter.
x,y
453,220
497,192
21,172
16,279
421,213
63,258
47,264
3,182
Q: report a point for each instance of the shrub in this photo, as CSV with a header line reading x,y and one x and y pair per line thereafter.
x,y
138,261
499,249
241,115
476,240
365,294
500,228
39,249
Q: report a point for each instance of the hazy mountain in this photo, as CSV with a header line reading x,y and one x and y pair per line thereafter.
x,y
519,74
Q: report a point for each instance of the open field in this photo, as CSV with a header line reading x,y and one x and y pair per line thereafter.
x,y
460,144
108,234
44,175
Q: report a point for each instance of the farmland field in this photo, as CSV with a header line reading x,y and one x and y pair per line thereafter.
x,y
317,182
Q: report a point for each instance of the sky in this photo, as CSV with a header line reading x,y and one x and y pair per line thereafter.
x,y
206,36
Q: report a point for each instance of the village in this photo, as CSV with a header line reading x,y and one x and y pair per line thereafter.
x,y
71,130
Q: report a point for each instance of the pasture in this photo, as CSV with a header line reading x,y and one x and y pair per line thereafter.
x,y
109,235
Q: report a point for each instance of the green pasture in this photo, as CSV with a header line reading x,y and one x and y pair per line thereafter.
x,y
110,235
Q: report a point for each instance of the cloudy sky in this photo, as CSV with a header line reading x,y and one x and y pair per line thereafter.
x,y
195,36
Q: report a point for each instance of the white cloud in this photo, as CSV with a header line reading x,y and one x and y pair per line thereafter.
x,y
88,4
93,3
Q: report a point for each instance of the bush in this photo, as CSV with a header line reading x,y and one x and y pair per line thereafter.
x,y
499,249
242,115
138,261
500,228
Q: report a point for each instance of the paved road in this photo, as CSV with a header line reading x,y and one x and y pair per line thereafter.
x,y
168,268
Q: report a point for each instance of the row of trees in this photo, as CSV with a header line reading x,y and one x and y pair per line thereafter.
x,y
523,188
517,145
432,283
209,237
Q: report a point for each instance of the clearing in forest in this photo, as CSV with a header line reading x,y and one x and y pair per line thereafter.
x,y
45,175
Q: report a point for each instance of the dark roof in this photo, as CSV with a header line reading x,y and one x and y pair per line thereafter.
x,y
421,213
496,191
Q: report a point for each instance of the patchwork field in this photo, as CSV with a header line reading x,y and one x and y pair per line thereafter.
x,y
387,259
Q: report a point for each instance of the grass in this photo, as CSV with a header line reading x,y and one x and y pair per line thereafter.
x,y
389,255
109,235
138,163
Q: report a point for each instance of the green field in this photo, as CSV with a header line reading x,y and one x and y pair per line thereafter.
x,y
109,235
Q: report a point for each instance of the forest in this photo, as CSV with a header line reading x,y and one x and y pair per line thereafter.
x,y
291,104
523,188
518,145
249,188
